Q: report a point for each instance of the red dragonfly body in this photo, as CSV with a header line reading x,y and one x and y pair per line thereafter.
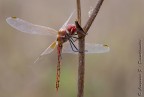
x,y
62,37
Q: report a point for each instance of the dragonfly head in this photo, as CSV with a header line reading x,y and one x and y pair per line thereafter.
x,y
71,28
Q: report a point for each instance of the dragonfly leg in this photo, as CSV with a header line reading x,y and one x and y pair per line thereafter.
x,y
69,37
71,41
76,38
72,45
73,37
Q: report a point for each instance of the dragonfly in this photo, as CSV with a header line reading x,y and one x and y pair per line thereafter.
x,y
66,33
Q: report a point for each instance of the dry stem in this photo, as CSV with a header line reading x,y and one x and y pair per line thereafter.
x,y
81,67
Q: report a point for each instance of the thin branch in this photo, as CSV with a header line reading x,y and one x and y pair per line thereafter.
x,y
81,42
81,67
92,17
81,55
79,11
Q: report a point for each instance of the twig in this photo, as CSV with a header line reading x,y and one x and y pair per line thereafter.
x,y
81,55
93,15
79,11
81,67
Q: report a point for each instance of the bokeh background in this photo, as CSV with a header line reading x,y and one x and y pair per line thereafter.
x,y
119,24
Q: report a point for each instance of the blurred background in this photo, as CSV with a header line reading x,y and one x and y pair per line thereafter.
x,y
119,24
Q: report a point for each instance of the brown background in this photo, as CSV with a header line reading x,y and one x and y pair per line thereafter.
x,y
119,24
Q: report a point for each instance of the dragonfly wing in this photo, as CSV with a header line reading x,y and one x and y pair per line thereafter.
x,y
90,48
96,48
47,50
30,28
65,24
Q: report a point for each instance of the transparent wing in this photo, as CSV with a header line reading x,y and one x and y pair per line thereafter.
x,y
47,50
30,28
65,24
90,48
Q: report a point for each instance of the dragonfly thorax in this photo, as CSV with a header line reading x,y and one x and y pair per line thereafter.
x,y
65,34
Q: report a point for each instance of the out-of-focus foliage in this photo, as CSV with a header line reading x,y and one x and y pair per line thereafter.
x,y
119,24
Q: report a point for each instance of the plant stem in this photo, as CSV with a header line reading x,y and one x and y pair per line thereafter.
x,y
81,66
81,43
92,17
79,11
